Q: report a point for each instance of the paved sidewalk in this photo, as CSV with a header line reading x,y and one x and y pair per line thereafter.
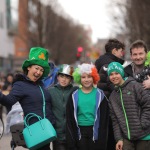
x,y
5,143
6,138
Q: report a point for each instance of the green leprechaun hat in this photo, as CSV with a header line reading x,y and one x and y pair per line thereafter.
x,y
38,56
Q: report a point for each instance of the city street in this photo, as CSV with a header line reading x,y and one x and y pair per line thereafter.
x,y
5,143
5,140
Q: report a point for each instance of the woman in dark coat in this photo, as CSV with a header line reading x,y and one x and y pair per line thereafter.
x,y
26,87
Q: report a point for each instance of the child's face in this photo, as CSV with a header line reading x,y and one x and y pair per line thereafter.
x,y
86,80
116,78
64,80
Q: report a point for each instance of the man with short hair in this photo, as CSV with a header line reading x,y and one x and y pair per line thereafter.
x,y
138,52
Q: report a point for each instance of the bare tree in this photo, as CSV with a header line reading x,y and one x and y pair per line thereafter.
x,y
60,35
135,19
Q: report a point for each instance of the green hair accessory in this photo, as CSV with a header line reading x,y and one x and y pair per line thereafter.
x,y
147,62
77,76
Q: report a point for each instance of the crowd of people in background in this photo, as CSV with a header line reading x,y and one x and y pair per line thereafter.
x,y
101,106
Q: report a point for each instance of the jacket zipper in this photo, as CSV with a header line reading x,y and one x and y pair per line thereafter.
x,y
96,115
124,111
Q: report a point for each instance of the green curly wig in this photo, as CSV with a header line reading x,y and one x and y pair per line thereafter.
x,y
77,76
147,62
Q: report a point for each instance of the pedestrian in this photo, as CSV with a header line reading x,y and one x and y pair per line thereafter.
x,y
130,111
87,112
51,79
26,87
8,86
114,53
60,95
8,82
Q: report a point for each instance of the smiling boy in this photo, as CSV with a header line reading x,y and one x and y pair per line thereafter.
x,y
130,111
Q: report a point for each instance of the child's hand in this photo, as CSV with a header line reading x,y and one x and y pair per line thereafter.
x,y
119,145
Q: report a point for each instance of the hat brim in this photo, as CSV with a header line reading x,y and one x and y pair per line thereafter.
x,y
41,63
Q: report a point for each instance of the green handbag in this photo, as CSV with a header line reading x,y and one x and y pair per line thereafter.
x,y
41,132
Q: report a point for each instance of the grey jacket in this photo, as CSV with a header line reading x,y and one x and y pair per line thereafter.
x,y
130,110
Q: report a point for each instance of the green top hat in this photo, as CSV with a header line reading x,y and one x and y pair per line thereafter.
x,y
38,56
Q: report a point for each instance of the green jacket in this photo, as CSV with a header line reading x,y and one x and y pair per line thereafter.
x,y
60,97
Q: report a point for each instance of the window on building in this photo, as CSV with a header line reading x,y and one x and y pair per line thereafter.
x,y
1,20
12,14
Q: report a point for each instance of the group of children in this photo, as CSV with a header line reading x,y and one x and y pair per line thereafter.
x,y
86,112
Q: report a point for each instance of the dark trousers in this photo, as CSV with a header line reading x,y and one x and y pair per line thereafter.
x,y
136,145
111,143
86,142
59,145
46,147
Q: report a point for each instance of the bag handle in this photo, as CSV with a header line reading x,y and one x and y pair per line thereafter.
x,y
39,118
28,117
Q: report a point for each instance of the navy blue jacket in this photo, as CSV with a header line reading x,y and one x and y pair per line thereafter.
x,y
30,97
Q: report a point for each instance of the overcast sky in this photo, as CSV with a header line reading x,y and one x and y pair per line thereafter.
x,y
90,12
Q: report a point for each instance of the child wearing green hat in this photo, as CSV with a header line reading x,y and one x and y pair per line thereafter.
x,y
28,88
130,111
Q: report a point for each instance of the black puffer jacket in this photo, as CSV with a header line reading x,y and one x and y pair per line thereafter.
x,y
131,113
128,71
106,59
104,82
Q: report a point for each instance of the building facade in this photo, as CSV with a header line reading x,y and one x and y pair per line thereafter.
x,y
6,38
